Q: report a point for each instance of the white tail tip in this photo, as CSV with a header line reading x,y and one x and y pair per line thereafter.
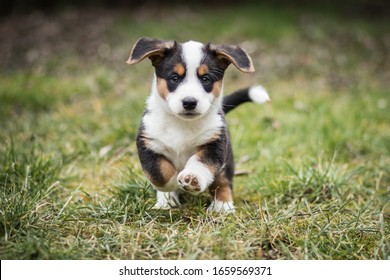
x,y
258,94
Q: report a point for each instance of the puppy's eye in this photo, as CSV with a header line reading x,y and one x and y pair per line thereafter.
x,y
205,79
174,79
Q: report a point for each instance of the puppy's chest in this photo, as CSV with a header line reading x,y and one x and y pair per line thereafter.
x,y
178,140
172,143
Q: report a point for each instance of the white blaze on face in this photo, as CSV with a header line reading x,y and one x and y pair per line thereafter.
x,y
191,86
193,54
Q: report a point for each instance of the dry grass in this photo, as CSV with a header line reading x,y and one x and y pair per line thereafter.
x,y
318,159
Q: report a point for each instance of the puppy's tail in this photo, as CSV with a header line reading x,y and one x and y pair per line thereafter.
x,y
255,94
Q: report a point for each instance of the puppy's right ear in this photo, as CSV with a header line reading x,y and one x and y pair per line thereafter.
x,y
152,48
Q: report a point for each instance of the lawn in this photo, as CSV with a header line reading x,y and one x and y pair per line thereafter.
x,y
314,165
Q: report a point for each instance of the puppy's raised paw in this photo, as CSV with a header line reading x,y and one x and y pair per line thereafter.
x,y
190,182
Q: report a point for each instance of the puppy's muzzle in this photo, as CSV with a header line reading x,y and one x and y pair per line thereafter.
x,y
189,103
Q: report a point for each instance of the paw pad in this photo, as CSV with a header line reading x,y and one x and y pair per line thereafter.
x,y
189,182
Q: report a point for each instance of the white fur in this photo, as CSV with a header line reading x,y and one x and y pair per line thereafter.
x,y
221,206
196,169
170,134
259,95
191,86
175,138
193,54
167,200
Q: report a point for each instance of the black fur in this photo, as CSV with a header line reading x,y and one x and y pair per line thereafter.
x,y
147,47
216,68
150,160
218,154
239,56
235,99
165,70
144,46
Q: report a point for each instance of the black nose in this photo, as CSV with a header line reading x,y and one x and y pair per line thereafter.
x,y
189,103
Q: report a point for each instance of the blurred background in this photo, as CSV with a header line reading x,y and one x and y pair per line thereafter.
x,y
296,46
35,32
70,181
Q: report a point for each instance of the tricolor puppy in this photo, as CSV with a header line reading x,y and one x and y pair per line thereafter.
x,y
183,142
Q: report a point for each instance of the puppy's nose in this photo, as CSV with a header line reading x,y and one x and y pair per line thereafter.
x,y
189,103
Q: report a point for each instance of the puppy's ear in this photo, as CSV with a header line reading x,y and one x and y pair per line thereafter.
x,y
152,48
233,54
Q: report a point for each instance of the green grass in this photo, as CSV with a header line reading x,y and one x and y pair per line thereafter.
x,y
316,160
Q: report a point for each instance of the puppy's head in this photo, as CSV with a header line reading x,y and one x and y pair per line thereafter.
x,y
189,75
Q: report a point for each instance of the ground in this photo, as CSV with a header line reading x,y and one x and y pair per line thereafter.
x,y
313,165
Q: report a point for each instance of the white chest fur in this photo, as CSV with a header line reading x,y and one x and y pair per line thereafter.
x,y
175,138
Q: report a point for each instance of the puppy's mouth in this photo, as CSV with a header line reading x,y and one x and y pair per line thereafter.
x,y
189,115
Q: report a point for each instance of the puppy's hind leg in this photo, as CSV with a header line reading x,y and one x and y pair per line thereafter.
x,y
222,193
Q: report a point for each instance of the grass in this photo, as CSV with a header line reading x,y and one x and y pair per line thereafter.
x,y
316,161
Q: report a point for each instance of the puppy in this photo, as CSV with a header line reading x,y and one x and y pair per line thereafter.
x,y
183,142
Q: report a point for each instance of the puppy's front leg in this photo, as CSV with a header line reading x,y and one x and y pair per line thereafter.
x,y
167,200
161,173
195,177
202,167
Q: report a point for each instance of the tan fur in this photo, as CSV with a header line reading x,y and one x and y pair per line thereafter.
x,y
220,189
167,171
202,70
179,69
162,88
217,88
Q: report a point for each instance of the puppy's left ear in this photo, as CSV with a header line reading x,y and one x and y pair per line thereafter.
x,y
235,55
